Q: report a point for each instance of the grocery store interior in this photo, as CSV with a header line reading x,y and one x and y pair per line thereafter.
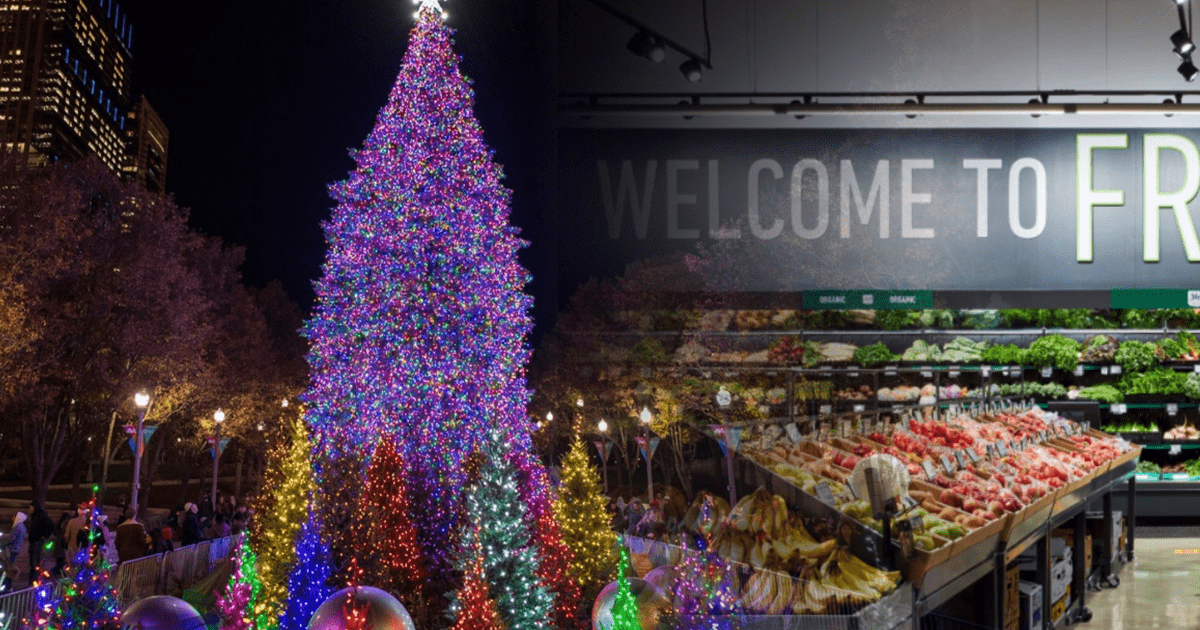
x,y
926,271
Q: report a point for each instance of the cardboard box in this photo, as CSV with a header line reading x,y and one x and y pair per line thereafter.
x,y
1068,538
1031,605
1060,578
1060,606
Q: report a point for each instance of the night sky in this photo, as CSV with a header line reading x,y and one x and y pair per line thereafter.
x,y
264,98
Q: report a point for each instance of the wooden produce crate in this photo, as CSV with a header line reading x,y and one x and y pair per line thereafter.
x,y
923,561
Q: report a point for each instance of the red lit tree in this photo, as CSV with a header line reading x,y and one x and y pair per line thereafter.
x,y
473,608
386,537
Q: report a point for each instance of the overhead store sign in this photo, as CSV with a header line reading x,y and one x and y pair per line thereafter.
x,y
788,210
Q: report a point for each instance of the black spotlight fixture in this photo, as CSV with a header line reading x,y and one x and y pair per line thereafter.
x,y
692,70
1188,70
645,45
1182,43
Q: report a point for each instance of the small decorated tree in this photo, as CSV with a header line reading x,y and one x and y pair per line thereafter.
x,y
584,521
275,534
624,610
85,597
510,561
472,608
386,537
239,606
308,582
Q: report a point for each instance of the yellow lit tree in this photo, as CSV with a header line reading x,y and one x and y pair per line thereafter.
x,y
281,515
584,521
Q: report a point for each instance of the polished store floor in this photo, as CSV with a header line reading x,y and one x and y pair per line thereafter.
x,y
1159,590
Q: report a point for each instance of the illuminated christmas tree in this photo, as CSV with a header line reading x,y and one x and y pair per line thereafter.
x,y
581,510
704,589
386,538
553,552
86,597
307,584
496,518
276,529
472,608
624,610
419,326
239,606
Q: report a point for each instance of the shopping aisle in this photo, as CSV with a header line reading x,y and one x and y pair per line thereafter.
x,y
1161,590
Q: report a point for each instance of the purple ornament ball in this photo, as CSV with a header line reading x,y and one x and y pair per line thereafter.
x,y
161,612
384,612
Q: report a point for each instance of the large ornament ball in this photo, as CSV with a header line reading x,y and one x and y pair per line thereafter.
x,y
161,612
384,612
664,578
651,604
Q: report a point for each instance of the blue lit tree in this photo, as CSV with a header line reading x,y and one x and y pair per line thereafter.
x,y
307,583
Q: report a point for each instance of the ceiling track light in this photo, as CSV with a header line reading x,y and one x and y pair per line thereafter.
x,y
1182,44
644,44
1188,70
652,45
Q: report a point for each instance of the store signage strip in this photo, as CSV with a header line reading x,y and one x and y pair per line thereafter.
x,y
869,300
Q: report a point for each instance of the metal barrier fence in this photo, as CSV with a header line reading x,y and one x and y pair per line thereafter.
x,y
158,574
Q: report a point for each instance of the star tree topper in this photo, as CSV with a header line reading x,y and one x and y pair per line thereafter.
x,y
436,5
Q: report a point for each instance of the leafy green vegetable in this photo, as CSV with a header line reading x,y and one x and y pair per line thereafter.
x,y
1099,348
1135,356
1003,355
936,318
874,354
963,350
1054,350
1191,387
1033,388
1141,318
1103,393
1192,467
1159,381
1170,349
922,351
1148,468
1130,427
1076,318
896,320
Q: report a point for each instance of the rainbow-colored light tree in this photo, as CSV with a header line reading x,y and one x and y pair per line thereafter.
x,y
420,322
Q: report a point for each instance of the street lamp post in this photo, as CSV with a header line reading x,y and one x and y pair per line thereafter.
x,y
219,417
647,452
550,435
604,446
142,400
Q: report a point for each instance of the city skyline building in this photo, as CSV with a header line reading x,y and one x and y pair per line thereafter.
x,y
65,88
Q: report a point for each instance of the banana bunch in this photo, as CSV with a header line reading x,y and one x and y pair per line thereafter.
x,y
807,480
797,547
760,511
733,545
844,571
819,598
768,593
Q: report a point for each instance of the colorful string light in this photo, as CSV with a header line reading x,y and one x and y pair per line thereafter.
x,y
307,588
85,596
275,531
582,514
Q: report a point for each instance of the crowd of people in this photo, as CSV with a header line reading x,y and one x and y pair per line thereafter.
x,y
187,524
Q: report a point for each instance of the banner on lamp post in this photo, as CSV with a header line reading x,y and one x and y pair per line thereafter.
x,y
605,448
212,451
653,446
734,437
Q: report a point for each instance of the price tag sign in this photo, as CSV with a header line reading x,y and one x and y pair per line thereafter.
x,y
826,410
930,473
1087,425
985,371
845,428
890,371
1002,449
1078,370
1116,409
904,423
962,463
953,408
1104,370
1175,450
1114,370
1024,443
859,408
1172,409
1047,371
853,373
1042,436
973,455
1014,370
953,373
1196,368
853,491
926,372
824,494
948,465
987,450
793,433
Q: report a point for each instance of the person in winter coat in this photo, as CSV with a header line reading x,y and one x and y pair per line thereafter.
x,y
131,540
17,537
71,533
191,526
41,530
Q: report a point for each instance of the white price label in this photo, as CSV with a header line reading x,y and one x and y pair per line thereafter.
x,y
853,373
1078,370
1172,409
926,372
986,371
1014,370
890,371
1196,368
948,465
953,374
1114,370
1175,450
793,433
859,408
1104,370
845,428
1047,371
823,493
928,468
826,409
